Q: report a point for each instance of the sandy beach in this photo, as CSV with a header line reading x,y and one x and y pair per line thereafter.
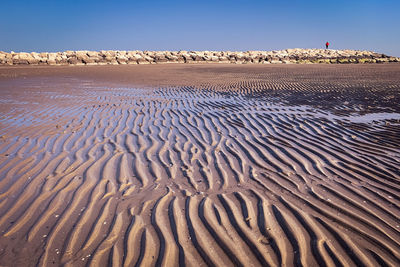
x,y
200,165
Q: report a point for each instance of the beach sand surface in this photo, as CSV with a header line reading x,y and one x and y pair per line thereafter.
x,y
200,165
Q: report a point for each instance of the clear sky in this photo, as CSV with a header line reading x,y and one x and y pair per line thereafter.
x,y
59,25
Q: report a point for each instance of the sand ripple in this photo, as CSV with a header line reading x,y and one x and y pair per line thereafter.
x,y
192,176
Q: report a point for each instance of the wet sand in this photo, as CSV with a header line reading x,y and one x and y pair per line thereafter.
x,y
226,165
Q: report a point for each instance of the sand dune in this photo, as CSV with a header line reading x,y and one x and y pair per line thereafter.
x,y
217,166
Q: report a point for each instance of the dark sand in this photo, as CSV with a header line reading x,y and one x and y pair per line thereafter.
x,y
228,165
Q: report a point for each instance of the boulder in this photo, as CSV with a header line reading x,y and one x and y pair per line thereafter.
x,y
198,58
382,60
122,59
108,53
181,59
43,55
69,53
83,57
363,60
17,61
74,61
160,58
149,59
8,61
353,60
140,59
35,58
187,58
239,56
93,54
21,58
172,58
247,59
51,58
60,60
343,60
223,59
322,61
113,62
108,59
275,60
3,59
133,58
214,59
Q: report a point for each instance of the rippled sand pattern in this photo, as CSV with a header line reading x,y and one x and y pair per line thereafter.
x,y
229,172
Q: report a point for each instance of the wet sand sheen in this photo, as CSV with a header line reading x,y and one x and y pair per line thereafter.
x,y
200,165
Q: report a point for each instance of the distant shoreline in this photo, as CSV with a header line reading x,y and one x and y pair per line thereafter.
x,y
112,57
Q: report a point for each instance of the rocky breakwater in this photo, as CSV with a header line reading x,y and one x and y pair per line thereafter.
x,y
288,56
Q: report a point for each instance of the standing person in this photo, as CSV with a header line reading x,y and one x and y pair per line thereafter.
x,y
326,45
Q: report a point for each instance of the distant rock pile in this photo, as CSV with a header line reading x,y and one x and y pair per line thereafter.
x,y
288,56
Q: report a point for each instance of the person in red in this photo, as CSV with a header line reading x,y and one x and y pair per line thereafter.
x,y
326,45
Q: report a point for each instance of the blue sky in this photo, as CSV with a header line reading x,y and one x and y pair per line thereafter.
x,y
57,25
